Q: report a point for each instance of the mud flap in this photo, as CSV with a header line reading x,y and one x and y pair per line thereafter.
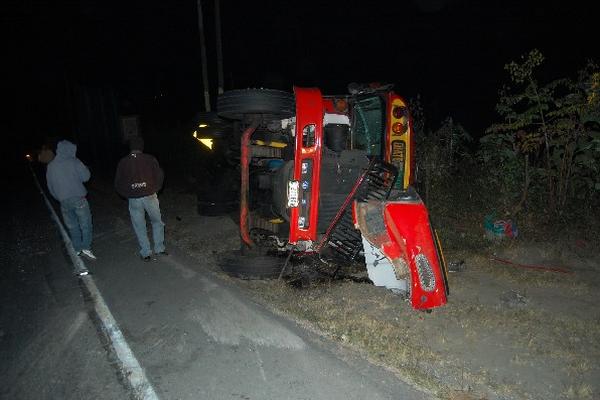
x,y
401,231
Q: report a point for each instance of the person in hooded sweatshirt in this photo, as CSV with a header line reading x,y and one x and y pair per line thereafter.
x,y
139,178
65,176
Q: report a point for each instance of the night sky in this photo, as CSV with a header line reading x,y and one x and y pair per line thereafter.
x,y
451,52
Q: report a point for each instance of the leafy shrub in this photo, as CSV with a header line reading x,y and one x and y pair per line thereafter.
x,y
546,146
439,152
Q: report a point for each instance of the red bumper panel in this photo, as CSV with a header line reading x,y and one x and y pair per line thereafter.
x,y
403,233
408,226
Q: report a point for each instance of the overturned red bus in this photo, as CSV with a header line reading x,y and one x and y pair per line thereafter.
x,y
333,175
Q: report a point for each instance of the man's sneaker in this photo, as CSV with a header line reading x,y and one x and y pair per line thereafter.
x,y
146,259
88,254
163,253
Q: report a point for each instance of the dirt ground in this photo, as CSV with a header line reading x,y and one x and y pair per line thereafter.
x,y
508,332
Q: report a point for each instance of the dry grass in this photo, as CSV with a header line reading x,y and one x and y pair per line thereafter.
x,y
479,346
432,350
581,391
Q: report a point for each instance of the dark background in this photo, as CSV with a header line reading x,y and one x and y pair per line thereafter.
x,y
101,59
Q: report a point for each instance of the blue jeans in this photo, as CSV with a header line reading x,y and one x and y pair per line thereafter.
x,y
78,219
137,210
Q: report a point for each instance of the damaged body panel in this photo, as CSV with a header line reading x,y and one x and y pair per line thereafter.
x,y
401,251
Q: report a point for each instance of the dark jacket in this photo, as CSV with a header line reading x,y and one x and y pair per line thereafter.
x,y
138,175
66,173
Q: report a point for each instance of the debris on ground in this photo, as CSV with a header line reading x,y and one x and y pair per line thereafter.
x,y
457,266
513,299
499,229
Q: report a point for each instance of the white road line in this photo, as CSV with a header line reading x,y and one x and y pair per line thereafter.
x,y
130,367
260,364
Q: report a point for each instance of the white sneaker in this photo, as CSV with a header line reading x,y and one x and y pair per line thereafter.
x,y
88,254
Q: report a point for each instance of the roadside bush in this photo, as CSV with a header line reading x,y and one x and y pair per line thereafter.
x,y
440,152
545,152
538,165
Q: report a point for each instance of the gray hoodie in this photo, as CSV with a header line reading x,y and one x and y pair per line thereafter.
x,y
66,173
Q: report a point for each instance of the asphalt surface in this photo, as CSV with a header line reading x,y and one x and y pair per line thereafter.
x,y
195,335
49,346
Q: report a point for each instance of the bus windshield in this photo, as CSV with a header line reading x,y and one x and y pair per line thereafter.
x,y
369,124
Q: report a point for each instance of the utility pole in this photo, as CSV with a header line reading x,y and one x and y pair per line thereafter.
x,y
219,46
203,55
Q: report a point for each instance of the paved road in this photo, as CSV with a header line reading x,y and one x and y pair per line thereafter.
x,y
196,336
49,348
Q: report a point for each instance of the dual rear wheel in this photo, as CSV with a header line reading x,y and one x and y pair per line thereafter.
x,y
247,105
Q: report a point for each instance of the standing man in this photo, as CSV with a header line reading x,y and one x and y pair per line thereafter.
x,y
65,176
45,155
138,179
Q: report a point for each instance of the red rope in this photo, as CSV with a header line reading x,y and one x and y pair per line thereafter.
x,y
538,267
